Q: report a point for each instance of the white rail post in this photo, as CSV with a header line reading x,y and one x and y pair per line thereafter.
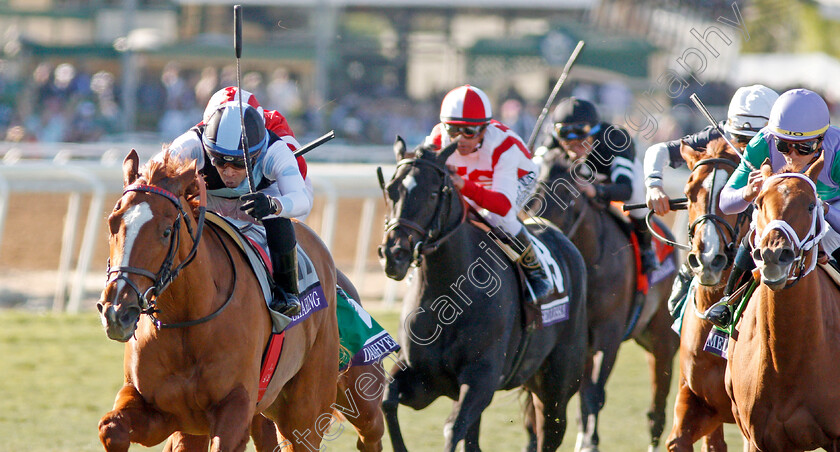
x,y
68,239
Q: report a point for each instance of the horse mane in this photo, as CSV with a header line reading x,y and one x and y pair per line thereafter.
x,y
163,170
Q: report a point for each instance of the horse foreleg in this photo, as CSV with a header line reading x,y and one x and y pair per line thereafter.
x,y
264,434
231,420
664,345
592,393
410,388
181,442
359,398
530,422
133,420
693,420
477,384
714,442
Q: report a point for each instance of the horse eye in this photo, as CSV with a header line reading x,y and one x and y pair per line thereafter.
x,y
117,207
811,207
167,232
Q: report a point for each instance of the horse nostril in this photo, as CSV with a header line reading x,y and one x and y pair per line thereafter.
x,y
694,261
129,315
380,251
718,262
100,307
786,256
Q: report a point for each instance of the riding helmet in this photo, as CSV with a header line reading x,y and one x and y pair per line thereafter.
x,y
227,94
222,136
749,110
466,105
574,110
799,114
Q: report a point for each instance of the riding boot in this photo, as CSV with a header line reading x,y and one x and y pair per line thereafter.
x,y
679,290
282,247
534,271
649,260
721,313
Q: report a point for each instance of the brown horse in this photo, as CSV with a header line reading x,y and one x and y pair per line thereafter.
x,y
783,369
359,397
702,405
611,288
192,362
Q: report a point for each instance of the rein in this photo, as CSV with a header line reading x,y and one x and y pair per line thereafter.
x,y
430,235
168,271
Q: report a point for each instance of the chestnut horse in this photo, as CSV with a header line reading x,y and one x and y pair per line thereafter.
x,y
192,362
702,405
359,397
783,371
611,289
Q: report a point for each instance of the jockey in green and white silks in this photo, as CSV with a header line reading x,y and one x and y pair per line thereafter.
x,y
798,132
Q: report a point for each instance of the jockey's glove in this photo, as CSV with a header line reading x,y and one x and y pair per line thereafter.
x,y
258,205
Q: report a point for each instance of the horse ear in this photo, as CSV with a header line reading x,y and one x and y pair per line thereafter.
x,y
446,152
766,168
690,155
399,148
186,176
814,170
131,165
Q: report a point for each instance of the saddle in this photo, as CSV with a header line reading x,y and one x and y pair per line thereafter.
x,y
643,307
548,310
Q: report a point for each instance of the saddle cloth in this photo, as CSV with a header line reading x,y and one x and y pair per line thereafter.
x,y
555,307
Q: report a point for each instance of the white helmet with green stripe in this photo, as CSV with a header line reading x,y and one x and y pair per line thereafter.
x,y
799,114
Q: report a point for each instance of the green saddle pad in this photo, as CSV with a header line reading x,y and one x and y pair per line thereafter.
x,y
363,340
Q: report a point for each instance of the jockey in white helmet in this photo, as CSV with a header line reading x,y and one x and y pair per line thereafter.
x,y
749,111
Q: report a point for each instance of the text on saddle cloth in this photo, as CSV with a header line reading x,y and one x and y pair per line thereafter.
x,y
555,308
251,240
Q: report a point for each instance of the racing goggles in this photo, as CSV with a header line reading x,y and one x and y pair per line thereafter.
x,y
467,131
801,147
574,131
740,139
222,160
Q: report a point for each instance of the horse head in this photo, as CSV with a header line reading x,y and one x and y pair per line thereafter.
x,y
420,201
713,236
788,223
558,197
145,240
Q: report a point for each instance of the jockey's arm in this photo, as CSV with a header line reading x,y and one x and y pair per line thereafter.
x,y
289,188
733,196
501,195
622,177
656,157
187,147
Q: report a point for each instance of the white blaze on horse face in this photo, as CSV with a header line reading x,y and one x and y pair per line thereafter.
x,y
409,183
135,217
709,235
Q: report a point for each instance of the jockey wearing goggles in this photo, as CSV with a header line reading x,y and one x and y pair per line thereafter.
x,y
609,152
797,134
749,111
492,169
281,193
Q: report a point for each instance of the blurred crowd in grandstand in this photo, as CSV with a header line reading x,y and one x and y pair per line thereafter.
x,y
64,103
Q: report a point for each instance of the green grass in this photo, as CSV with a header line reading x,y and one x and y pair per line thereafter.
x,y
60,374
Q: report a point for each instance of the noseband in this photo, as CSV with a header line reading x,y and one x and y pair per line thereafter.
x,y
430,236
167,272
716,220
817,230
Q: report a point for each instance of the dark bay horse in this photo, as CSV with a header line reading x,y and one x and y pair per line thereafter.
x,y
702,405
359,398
783,371
611,288
192,362
462,324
